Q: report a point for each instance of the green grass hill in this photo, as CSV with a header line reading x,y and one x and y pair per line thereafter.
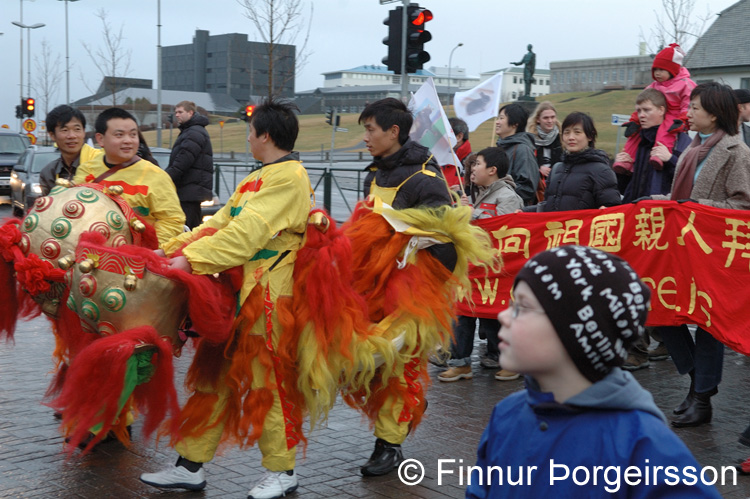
x,y
314,132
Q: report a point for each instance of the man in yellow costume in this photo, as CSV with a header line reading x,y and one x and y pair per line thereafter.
x,y
146,188
260,229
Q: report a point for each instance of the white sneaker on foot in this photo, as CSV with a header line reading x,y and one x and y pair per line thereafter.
x,y
274,484
176,477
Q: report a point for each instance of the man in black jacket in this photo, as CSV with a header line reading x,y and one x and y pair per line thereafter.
x,y
404,174
66,127
191,163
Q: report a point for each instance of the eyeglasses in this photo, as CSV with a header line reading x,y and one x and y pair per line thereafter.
x,y
515,309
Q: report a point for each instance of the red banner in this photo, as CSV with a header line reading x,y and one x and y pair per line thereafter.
x,y
695,259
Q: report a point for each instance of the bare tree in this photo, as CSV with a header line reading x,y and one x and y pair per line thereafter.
x,y
677,23
48,75
111,58
279,22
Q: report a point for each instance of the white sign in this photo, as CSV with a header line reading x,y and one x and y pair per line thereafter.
x,y
341,129
619,119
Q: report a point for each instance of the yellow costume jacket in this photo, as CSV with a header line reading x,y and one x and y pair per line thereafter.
x,y
146,188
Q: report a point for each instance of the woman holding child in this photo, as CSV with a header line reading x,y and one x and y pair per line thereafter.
x,y
712,171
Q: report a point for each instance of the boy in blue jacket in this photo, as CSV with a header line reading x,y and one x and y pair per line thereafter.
x,y
583,427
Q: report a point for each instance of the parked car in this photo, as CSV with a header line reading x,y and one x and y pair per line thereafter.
x,y
208,208
12,145
24,178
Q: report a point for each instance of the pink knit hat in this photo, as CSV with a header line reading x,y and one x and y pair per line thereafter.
x,y
669,59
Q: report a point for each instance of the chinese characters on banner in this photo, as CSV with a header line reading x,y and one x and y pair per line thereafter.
x,y
695,259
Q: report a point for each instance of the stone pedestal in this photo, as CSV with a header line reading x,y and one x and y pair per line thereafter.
x,y
528,103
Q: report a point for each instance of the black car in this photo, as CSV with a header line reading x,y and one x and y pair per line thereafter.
x,y
24,179
12,145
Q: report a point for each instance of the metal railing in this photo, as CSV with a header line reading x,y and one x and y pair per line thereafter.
x,y
341,186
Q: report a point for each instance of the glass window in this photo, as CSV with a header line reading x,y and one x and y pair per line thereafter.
x,y
630,74
745,83
575,77
598,76
515,79
622,75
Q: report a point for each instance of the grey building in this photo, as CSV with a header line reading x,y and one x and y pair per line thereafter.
x,y
609,73
228,64
721,53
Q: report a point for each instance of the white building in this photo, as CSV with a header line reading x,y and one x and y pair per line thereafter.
x,y
371,75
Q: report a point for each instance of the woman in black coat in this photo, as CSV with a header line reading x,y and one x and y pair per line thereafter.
x,y
584,178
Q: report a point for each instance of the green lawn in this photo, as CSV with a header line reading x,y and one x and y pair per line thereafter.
x,y
314,132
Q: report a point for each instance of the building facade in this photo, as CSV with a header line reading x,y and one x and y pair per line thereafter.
x,y
721,54
228,64
609,73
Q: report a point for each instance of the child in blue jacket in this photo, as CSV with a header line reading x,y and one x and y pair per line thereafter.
x,y
583,427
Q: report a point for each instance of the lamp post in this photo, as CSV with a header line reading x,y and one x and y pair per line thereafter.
x,y
28,49
67,54
158,74
450,60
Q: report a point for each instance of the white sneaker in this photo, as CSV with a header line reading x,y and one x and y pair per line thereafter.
x,y
176,477
274,484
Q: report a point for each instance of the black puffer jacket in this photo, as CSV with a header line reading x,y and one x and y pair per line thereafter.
x,y
581,181
191,164
523,168
419,190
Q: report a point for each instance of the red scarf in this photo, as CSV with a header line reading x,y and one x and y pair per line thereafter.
x,y
697,152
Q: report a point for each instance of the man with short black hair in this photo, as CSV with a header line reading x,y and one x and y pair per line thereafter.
x,y
191,163
146,187
261,229
66,126
403,174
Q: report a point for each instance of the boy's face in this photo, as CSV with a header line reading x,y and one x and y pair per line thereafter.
x,y
661,75
481,174
69,137
120,141
528,342
380,142
547,120
745,111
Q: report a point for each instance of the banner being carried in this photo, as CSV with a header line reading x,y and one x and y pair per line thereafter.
x,y
694,258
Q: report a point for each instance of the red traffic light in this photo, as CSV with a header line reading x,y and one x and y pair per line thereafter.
x,y
249,110
30,104
423,17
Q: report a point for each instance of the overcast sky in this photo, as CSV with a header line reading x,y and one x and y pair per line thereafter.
x,y
344,34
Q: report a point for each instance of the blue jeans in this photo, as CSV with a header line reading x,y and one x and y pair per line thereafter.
x,y
704,356
463,341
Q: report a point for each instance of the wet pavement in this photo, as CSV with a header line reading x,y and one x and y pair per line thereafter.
x,y
32,463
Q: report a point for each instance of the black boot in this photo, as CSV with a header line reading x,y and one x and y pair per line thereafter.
x,y
680,409
698,413
385,458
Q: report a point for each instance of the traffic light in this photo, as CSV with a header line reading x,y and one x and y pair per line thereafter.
x,y
416,36
393,40
338,120
19,112
28,107
329,116
249,111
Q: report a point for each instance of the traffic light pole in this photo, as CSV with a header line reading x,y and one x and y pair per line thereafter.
x,y
404,74
333,136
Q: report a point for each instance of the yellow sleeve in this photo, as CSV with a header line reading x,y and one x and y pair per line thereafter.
x,y
283,202
219,220
88,153
164,207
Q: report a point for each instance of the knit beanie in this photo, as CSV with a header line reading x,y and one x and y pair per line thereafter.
x,y
595,301
669,59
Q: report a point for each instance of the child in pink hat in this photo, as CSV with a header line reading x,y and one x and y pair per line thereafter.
x,y
673,80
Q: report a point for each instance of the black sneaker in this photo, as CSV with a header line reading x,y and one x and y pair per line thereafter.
x,y
385,458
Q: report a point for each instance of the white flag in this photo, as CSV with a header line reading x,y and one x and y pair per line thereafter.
x,y
479,104
431,127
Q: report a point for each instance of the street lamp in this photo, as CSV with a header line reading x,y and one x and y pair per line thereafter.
x,y
67,54
28,49
450,60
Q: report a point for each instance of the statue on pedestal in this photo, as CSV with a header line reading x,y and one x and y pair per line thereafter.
x,y
529,63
